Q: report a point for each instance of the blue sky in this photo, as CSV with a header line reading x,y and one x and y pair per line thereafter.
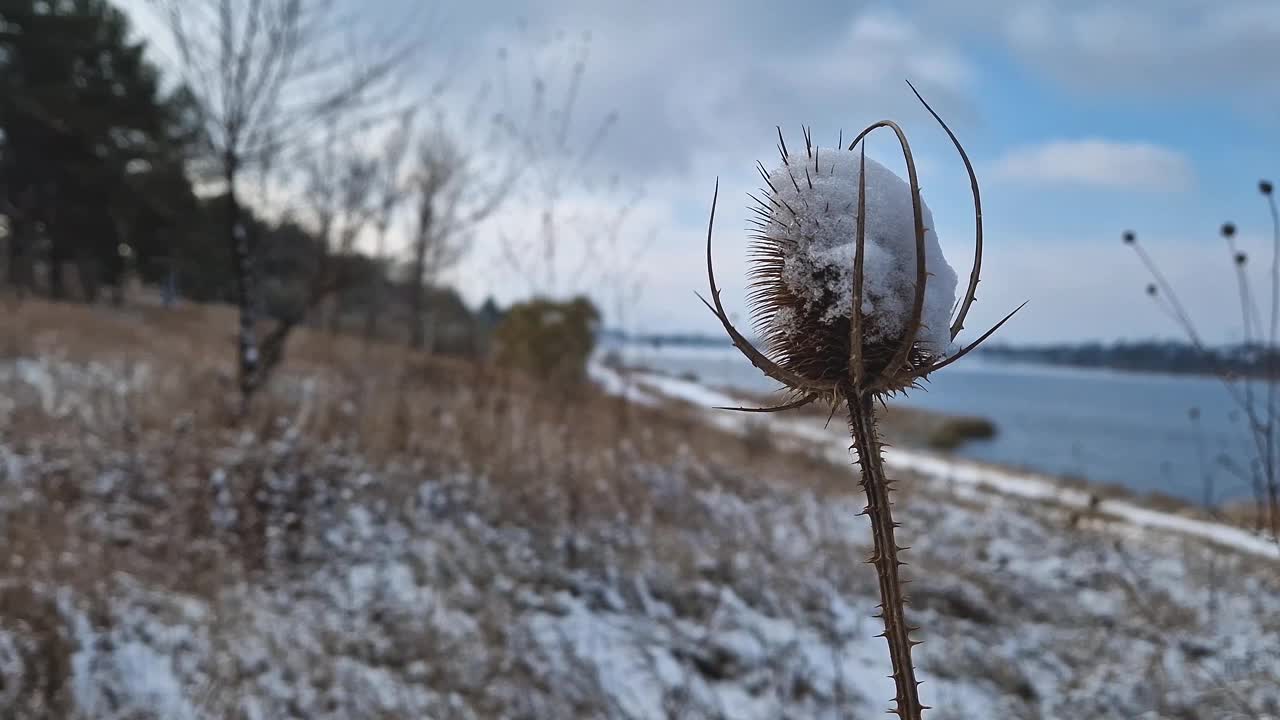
x,y
1084,118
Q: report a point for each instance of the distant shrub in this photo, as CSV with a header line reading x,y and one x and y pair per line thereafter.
x,y
549,339
951,433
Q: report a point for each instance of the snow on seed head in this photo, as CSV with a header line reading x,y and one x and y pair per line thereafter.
x,y
804,259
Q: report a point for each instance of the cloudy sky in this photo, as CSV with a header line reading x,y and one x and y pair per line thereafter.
x,y
1083,118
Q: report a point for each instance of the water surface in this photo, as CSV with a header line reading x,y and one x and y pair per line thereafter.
x,y
1127,429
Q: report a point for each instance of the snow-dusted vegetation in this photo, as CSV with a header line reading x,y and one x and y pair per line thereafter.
x,y
395,537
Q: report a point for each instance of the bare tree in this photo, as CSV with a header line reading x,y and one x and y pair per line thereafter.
x,y
391,190
268,76
339,183
453,189
569,249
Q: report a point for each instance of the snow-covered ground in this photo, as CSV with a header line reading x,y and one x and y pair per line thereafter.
x,y
440,549
1019,483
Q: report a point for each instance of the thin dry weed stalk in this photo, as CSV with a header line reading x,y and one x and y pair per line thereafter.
x,y
839,364
1262,413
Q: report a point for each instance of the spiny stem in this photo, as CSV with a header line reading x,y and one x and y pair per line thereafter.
x,y
862,426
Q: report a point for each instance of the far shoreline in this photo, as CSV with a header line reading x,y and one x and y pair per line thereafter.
x,y
978,362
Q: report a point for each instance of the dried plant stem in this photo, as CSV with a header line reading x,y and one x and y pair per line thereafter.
x,y
897,633
1273,485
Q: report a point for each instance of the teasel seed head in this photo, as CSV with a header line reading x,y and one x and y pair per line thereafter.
x,y
850,291
804,279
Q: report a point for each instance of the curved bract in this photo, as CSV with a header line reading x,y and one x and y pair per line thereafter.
x,y
891,377
757,358
976,272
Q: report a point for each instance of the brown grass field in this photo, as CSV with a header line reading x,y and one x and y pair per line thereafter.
x,y
393,535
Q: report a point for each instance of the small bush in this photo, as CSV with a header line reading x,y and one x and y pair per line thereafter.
x,y
551,340
951,433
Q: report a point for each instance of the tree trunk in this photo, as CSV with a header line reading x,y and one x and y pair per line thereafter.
x,y
373,310
417,279
89,277
19,269
169,294
332,313
246,292
57,262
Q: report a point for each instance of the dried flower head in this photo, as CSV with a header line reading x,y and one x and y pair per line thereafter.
x,y
815,260
1129,237
803,268
1151,289
1228,230
1241,258
1264,187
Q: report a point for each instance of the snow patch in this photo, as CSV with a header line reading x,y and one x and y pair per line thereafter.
x,y
813,206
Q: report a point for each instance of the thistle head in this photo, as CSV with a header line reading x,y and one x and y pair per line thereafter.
x,y
850,290
805,279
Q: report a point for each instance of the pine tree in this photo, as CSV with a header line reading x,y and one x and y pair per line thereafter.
x,y
92,152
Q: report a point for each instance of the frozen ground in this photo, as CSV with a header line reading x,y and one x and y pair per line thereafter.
x,y
646,387
437,548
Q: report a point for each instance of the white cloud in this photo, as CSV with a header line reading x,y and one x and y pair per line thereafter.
x,y
875,54
1098,163
1093,287
1143,48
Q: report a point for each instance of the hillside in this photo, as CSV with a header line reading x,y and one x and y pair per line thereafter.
x,y
397,536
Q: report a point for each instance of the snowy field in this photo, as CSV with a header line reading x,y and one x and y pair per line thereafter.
x,y
434,542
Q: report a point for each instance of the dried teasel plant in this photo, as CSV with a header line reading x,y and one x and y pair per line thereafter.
x,y
1259,465
852,312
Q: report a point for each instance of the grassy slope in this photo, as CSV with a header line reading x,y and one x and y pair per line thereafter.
x,y
398,536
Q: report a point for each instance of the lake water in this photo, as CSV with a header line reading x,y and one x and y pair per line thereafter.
x,y
1127,429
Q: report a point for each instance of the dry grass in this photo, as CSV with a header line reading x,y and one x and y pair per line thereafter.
x,y
136,510
157,483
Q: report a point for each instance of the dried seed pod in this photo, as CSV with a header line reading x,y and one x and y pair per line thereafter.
x,y
1241,258
802,268
1228,230
1264,187
1129,237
